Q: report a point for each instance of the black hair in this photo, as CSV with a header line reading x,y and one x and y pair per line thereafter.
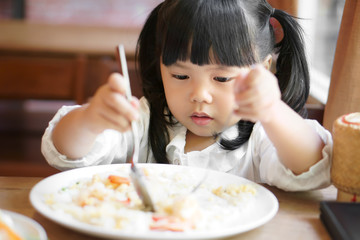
x,y
238,32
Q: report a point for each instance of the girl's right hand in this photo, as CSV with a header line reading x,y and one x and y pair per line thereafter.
x,y
109,108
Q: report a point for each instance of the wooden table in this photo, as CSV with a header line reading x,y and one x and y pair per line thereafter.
x,y
297,218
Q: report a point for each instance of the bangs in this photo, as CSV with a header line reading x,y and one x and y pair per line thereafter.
x,y
200,32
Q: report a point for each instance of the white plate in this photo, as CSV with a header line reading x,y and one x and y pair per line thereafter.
x,y
26,227
266,204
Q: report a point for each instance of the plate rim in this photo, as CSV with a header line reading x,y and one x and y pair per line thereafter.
x,y
146,235
15,215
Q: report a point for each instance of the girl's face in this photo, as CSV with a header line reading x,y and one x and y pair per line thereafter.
x,y
201,97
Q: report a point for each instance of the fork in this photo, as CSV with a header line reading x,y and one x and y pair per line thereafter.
x,y
135,174
197,186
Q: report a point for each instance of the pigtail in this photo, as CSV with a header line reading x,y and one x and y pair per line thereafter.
x,y
291,67
148,67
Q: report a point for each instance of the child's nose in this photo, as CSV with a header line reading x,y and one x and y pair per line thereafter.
x,y
200,92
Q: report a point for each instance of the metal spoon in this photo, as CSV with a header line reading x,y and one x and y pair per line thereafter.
x,y
136,173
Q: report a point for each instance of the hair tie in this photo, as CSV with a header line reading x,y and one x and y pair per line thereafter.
x,y
272,12
278,30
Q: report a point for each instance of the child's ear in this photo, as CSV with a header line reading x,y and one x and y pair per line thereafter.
x,y
267,62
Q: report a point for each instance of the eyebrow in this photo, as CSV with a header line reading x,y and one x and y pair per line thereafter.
x,y
212,67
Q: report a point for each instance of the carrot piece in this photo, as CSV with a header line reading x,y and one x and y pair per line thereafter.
x,y
158,217
11,234
127,201
118,180
169,223
170,227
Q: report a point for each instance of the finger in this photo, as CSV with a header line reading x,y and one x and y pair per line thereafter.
x,y
244,99
135,102
240,81
247,114
120,105
255,86
117,83
115,121
110,118
255,104
104,117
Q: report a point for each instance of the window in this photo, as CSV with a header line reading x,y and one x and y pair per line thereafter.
x,y
321,22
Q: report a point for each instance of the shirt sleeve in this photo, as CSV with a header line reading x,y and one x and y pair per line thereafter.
x,y
110,146
273,172
104,151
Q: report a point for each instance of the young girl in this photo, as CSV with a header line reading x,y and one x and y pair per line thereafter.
x,y
209,99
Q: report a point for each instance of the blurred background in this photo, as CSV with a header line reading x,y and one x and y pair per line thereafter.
x,y
56,52
117,13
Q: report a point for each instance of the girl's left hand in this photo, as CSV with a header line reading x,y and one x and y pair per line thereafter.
x,y
256,94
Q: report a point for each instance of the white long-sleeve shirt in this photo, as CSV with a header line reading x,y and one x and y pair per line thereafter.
x,y
256,160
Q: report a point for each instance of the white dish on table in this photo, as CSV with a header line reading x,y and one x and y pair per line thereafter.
x,y
24,226
265,204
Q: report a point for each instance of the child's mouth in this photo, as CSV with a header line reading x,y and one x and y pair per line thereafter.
x,y
201,119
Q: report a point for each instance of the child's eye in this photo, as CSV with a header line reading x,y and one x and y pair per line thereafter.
x,y
180,77
222,79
